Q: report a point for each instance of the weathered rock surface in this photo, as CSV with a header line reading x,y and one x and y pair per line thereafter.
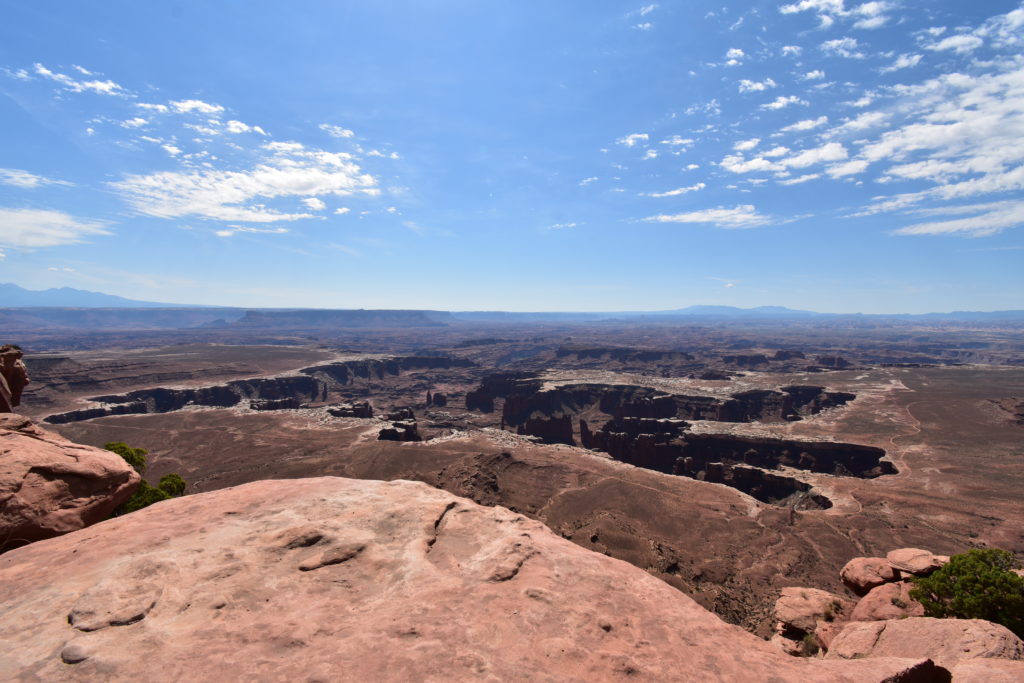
x,y
50,486
915,561
944,641
13,378
800,612
331,578
861,574
888,601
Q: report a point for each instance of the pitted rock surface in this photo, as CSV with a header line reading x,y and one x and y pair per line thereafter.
x,y
50,486
329,578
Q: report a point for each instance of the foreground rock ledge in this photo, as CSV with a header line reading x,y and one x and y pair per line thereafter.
x,y
50,486
324,579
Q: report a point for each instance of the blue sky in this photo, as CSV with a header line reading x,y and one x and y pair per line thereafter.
x,y
818,154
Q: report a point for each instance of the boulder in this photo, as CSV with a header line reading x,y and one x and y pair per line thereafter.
x,y
13,377
806,619
944,641
988,671
50,486
888,601
915,561
802,609
329,578
861,574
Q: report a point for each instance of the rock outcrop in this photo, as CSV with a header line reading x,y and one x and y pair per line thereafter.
x,y
888,601
915,561
50,486
13,377
861,574
312,579
944,641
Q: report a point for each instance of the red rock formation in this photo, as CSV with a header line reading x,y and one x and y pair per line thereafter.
x,y
861,574
800,612
915,561
944,641
50,486
332,578
13,377
888,601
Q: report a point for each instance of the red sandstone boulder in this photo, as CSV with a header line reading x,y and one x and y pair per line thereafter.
x,y
915,561
50,486
944,641
802,611
988,671
861,574
13,377
338,579
888,601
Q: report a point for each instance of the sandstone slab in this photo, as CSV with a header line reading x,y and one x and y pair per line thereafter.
x,y
861,574
50,486
944,641
915,561
337,579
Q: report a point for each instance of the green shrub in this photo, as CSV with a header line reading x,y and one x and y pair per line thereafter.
x,y
975,585
136,457
172,484
144,496
811,646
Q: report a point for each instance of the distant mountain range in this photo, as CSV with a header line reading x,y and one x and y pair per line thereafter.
x,y
13,296
76,308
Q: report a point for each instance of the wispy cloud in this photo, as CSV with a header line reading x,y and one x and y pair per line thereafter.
x,y
18,178
742,216
678,191
34,228
79,86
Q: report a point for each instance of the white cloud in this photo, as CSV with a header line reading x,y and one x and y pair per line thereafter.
x,y
832,151
32,228
745,145
692,167
843,47
158,108
342,210
735,163
800,179
196,106
314,204
781,102
867,15
646,26
747,85
815,75
734,56
777,151
679,191
742,216
632,139
18,178
237,127
904,61
136,122
791,50
852,167
988,219
651,154
72,85
960,44
291,170
587,181
561,226
806,124
234,229
646,9
171,149
677,141
336,131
